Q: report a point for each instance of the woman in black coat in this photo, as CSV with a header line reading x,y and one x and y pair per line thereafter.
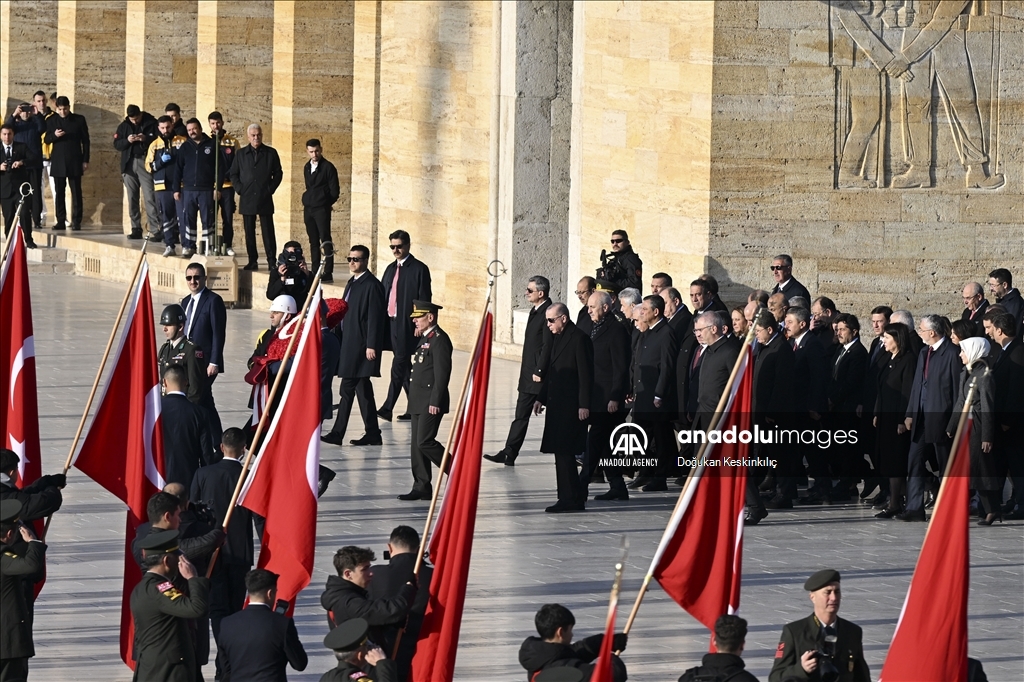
x,y
987,467
892,440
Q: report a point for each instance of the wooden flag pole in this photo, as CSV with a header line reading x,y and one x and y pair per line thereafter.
x,y
716,418
327,246
99,370
26,191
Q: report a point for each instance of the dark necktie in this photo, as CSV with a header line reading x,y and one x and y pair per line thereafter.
x,y
696,358
927,360
793,344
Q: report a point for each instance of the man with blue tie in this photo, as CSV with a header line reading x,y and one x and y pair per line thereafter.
x,y
205,322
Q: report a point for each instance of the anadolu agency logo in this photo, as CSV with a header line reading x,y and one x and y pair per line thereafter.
x,y
628,443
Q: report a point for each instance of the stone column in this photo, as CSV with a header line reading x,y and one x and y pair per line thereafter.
x,y
28,51
235,63
91,73
160,57
365,131
312,98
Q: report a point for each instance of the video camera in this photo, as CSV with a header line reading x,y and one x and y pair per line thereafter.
x,y
291,260
610,268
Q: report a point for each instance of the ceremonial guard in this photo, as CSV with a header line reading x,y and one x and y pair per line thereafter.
x,y
16,564
358,659
428,395
823,645
164,646
178,350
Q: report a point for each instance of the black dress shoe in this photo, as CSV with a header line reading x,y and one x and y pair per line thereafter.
x,y
415,495
886,514
754,516
879,500
767,484
779,502
58,227
559,508
327,279
135,234
869,487
368,440
251,266
29,244
1015,515
333,437
78,228
990,518
911,515
639,482
384,414
405,417
656,485
498,458
613,495
323,480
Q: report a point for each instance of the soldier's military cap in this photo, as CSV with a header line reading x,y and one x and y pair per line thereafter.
x,y
421,308
348,636
559,674
821,579
160,542
10,510
607,286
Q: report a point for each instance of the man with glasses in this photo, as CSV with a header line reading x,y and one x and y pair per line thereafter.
x,y
975,305
584,288
785,282
622,267
362,342
536,345
205,323
405,280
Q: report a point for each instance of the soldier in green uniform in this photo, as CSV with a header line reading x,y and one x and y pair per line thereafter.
x,y
822,642
178,350
428,395
16,645
359,660
164,647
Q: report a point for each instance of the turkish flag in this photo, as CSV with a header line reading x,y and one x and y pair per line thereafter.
x,y
123,450
19,416
282,484
930,642
603,663
700,559
451,543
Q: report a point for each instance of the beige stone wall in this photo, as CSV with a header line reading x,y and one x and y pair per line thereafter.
x,y
160,56
784,97
436,84
28,60
646,82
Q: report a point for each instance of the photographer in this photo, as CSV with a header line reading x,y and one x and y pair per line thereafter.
x,y
28,128
622,267
292,276
822,646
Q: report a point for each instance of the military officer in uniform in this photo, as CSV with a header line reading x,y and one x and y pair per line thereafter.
x,y
823,641
428,395
178,350
16,564
164,647
359,660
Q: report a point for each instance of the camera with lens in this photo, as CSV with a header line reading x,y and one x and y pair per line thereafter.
x,y
610,268
203,513
827,670
291,260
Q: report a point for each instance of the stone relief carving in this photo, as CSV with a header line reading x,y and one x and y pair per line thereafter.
x,y
917,85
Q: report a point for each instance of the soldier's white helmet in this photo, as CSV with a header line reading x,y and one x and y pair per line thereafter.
x,y
284,304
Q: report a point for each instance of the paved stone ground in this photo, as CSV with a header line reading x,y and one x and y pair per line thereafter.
x,y
523,558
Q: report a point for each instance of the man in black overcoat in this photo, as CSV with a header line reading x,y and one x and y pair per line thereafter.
x,y
322,192
536,346
256,174
362,341
68,134
566,393
405,279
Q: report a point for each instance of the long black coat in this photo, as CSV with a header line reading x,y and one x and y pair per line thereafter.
x,y
611,366
257,644
976,318
256,174
185,434
430,373
811,370
715,368
71,150
654,373
16,630
895,383
322,187
363,327
164,647
988,469
213,486
1008,376
845,386
413,285
773,379
536,345
793,289
877,359
1014,304
930,409
567,389
39,499
688,345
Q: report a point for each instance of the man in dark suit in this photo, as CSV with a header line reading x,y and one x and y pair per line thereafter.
x,y
389,581
653,388
258,643
772,396
184,429
68,134
823,317
936,382
29,127
785,282
878,359
322,192
608,393
975,305
584,288
362,341
214,486
845,390
840,640
428,396
13,172
256,174
405,279
205,324
1000,283
536,345
701,297
719,358
676,313
1008,375
712,287
566,394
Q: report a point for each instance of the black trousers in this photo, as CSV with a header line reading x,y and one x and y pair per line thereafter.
x,y
425,449
520,422
318,229
60,184
599,447
227,216
35,178
360,389
567,478
227,596
661,444
269,238
14,670
9,207
400,364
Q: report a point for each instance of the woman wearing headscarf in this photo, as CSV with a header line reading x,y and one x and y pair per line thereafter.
x,y
892,439
986,476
